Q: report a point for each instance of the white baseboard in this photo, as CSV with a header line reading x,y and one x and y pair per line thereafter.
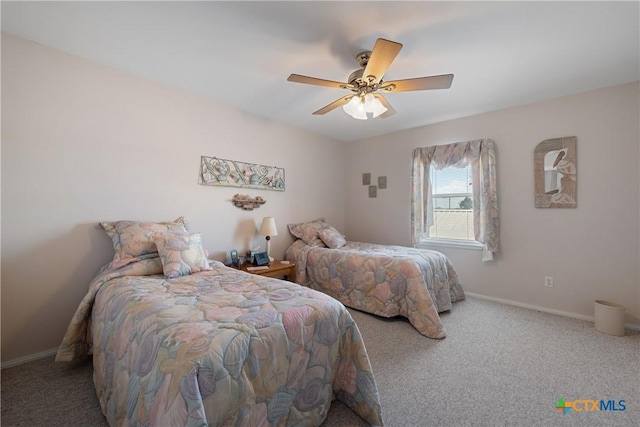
x,y
29,358
544,309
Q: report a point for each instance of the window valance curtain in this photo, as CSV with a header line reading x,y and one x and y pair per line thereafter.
x,y
481,156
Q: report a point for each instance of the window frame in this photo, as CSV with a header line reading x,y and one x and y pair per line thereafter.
x,y
470,243
481,154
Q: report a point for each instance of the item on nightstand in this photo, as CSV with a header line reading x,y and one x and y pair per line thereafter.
x,y
261,258
285,262
251,254
235,260
268,229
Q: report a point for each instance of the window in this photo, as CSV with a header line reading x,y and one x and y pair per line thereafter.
x,y
452,203
454,195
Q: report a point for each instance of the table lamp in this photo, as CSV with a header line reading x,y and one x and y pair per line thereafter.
x,y
268,229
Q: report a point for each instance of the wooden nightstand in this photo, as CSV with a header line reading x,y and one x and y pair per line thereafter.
x,y
276,269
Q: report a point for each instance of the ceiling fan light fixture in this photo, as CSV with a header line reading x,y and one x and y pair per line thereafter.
x,y
356,108
373,105
359,106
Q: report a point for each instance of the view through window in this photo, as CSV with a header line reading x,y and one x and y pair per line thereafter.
x,y
452,203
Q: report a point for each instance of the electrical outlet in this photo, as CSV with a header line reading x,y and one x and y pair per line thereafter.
x,y
548,281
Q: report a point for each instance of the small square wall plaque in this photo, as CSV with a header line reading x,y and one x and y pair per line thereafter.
x,y
382,182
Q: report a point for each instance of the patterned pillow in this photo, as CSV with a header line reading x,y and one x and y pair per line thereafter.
x,y
181,254
308,231
134,239
332,237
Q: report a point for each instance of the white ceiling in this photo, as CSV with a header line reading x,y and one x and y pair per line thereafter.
x,y
502,54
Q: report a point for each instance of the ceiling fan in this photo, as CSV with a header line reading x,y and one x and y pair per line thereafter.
x,y
367,85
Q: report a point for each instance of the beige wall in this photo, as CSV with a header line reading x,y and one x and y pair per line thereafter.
x,y
592,251
82,143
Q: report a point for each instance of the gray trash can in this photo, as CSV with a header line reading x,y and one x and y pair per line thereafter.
x,y
609,317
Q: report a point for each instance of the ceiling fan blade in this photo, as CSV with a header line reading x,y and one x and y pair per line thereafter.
x,y
382,55
297,78
335,104
420,83
390,111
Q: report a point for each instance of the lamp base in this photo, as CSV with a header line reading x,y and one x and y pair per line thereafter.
x,y
268,247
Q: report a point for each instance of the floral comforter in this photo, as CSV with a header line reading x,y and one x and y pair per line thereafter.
x,y
382,279
219,347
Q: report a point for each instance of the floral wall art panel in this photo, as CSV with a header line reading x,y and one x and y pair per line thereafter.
x,y
231,173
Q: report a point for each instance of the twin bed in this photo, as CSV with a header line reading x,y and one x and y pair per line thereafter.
x,y
384,280
177,340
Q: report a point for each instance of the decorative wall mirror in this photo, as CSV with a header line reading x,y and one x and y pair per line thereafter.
x,y
554,165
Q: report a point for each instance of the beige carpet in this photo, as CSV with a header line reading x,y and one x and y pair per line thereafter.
x,y
499,366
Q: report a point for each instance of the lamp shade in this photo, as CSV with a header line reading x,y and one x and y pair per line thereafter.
x,y
360,105
355,108
373,105
268,227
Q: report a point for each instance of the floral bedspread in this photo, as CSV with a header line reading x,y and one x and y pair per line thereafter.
x,y
382,279
219,347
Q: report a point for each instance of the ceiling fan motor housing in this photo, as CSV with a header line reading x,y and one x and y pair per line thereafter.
x,y
355,78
